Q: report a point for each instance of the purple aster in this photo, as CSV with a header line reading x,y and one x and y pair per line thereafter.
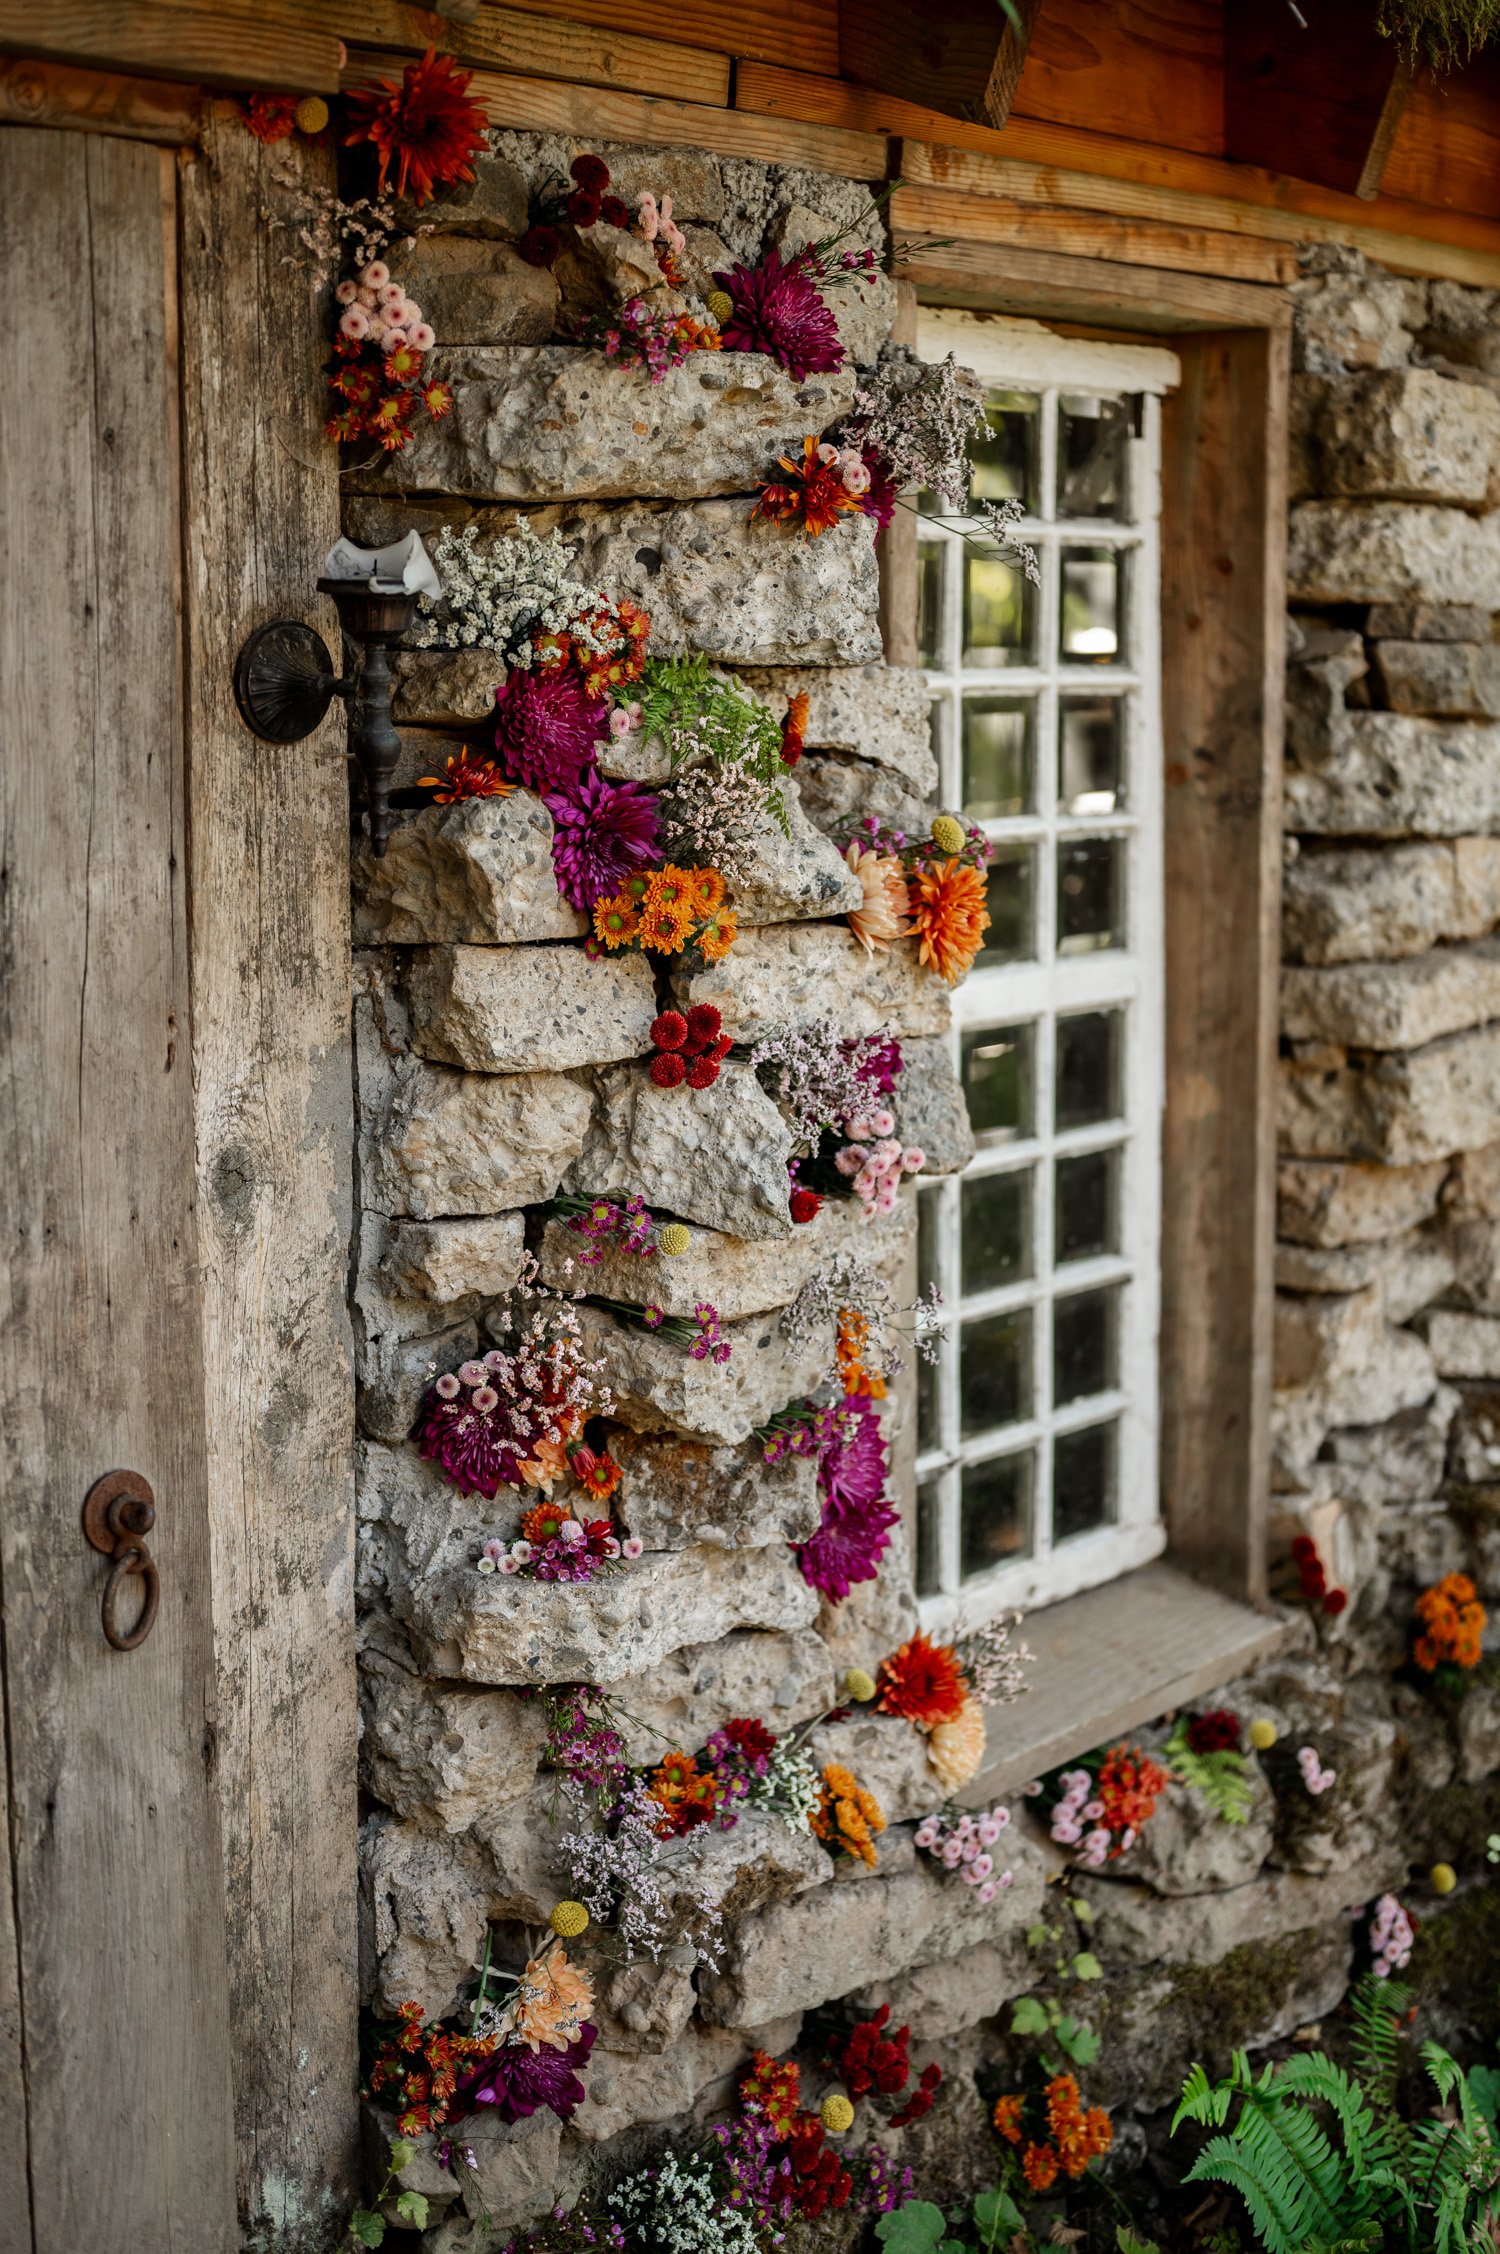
x,y
780,310
516,2080
603,831
855,1531
546,726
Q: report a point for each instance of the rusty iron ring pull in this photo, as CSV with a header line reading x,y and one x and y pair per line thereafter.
x,y
119,1510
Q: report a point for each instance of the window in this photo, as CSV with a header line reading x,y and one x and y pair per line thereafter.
x,y
1036,1424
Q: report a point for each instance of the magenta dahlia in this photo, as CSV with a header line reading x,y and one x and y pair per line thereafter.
x,y
855,1531
516,2080
603,831
780,310
879,497
546,727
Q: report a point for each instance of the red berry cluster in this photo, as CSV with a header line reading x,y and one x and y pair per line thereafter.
x,y
872,2062
819,2178
688,1048
1315,1588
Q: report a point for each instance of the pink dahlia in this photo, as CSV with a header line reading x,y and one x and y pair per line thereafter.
x,y
546,726
855,1531
516,2080
780,310
603,831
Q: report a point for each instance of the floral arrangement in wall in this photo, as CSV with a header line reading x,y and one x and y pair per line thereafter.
x,y
1392,1936
553,1545
689,1047
1449,1643
276,117
668,911
1204,1751
849,1297
607,1225
1051,2131
853,1466
1104,1804
377,375
832,1090
943,879
943,1690
1313,1584
426,129
727,758
963,1840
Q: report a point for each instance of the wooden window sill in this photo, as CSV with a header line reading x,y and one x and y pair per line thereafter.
x,y
1113,1658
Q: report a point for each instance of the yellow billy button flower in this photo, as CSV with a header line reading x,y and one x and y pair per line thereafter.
x,y
1263,1734
311,114
718,305
948,833
836,2113
859,1685
1442,1878
568,1920
674,1239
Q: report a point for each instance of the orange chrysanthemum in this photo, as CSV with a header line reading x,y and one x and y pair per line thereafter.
x,y
1130,1783
467,778
425,126
542,1522
1453,1621
552,2001
718,936
853,1338
707,891
272,117
598,1474
1007,2117
670,887
813,495
665,930
616,922
1039,2167
437,398
922,1681
949,916
773,2087
847,1815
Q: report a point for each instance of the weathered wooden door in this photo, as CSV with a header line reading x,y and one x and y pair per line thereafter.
x,y
114,2079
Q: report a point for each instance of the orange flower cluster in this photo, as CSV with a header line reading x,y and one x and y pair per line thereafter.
x,y
853,1338
924,1682
847,1816
813,495
466,778
596,1472
1452,1620
418,2068
1129,1786
949,917
612,655
773,2087
1074,2136
687,1795
663,909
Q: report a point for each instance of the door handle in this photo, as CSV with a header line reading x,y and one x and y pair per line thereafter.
x,y
119,1511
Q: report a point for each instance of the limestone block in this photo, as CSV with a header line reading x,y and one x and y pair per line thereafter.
x,y
519,2174
1445,678
1479,1733
864,307
446,1261
422,1523
1326,666
475,292
600,268
714,1155
760,1860
516,1631
790,874
492,205
1393,1005
1362,1368
524,1009
451,1143
657,1386
943,1999
395,1371
479,871
1188,1849
1474,1441
1473,1248
1387,551
1403,1108
1339,1204
1427,622
444,688
1356,318
785,1677
1401,434
791,974
1364,904
1358,1817
824,1943
1141,1927
1393,776
1399,1460
533,421
930,1108
443,1757
423,1908
839,790
1409,1270
889,1757
1472,1190
625,2093
876,712
1460,325
679,1492
1462,1345
641,2009
690,177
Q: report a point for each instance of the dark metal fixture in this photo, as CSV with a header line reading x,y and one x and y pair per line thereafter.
x,y
284,683
119,1511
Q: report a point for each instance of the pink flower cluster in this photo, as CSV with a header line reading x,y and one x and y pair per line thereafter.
x,y
962,1841
630,1224
1316,1778
1391,1937
710,1340
874,1161
850,466
1073,1811
378,311
654,223
574,1553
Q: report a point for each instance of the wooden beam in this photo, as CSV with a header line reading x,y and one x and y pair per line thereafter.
x,y
203,45
1382,140
1446,150
1096,292
1089,234
1224,455
268,869
589,115
799,34
1150,69
963,58
1010,58
1319,95
96,101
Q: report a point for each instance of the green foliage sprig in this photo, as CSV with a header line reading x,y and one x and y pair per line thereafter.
x,y
699,716
367,2224
1444,33
1221,1777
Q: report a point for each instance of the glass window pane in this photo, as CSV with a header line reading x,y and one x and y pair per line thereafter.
x,y
929,1538
1010,896
929,1239
996,1070
994,1371
930,602
1088,1068
995,1513
1089,755
1090,894
1005,463
1083,1480
999,611
930,1400
1091,456
1085,1357
999,735
1086,1205
1092,613
995,1214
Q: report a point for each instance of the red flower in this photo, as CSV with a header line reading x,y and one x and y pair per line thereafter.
x,y
591,173
539,246
777,309
806,1205
794,729
582,209
271,117
923,1681
425,126
921,2098
873,2060
1217,1731
703,1023
668,1069
467,778
1334,1602
750,1737
437,398
702,1072
670,1030
614,213
812,495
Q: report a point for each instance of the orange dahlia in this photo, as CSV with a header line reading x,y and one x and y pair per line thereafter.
x,y
1039,2167
813,494
426,126
922,1681
949,916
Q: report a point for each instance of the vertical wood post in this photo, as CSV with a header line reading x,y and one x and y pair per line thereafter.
x,y
268,870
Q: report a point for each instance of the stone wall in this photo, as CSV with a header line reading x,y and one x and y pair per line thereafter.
x,y
497,1064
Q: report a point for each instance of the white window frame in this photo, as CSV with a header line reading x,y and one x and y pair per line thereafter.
x,y
1021,356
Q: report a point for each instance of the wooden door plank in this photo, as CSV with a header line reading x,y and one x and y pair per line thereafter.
x,y
96,101
153,36
1154,70
1224,450
1089,234
1105,293
271,1063
118,1874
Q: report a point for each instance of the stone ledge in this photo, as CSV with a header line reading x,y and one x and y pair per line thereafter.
x,y
437,1143
528,1009
1367,904
480,871
1393,1005
676,1493
1387,775
876,712
1331,1202
658,1387
716,1156
792,974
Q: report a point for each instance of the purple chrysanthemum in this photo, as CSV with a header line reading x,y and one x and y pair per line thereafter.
x,y
879,498
603,831
855,1531
881,1064
516,2080
546,726
780,310
479,1451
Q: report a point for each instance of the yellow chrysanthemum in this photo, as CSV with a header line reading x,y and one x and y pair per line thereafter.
x,y
836,2113
947,833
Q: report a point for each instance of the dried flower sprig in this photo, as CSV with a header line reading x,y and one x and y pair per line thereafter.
x,y
631,1227
700,1332
640,334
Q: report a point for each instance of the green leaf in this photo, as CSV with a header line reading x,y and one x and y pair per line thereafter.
x,y
1484,2085
994,2212
1083,1909
1126,2242
411,2206
1029,2017
1080,2043
366,2229
400,2155
916,2228
1087,1966
1035,1936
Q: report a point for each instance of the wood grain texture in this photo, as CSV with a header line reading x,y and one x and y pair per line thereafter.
x,y
151,35
1112,1659
1224,450
270,951
1103,293
960,58
1037,226
96,101
1310,97
1015,44
1446,150
1153,69
896,556
113,1816
592,114
802,34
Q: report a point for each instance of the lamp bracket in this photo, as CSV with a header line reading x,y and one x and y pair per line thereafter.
x,y
284,681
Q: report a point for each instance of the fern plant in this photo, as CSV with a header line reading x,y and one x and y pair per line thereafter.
x,y
1221,1776
702,717
1323,2160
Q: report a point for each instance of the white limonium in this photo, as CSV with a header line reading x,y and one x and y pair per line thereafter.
x,y
506,594
675,2209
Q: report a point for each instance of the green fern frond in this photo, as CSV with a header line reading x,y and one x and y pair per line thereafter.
x,y
1281,2148
1316,2078
1203,2100
1221,2162
1221,1777
1378,2006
